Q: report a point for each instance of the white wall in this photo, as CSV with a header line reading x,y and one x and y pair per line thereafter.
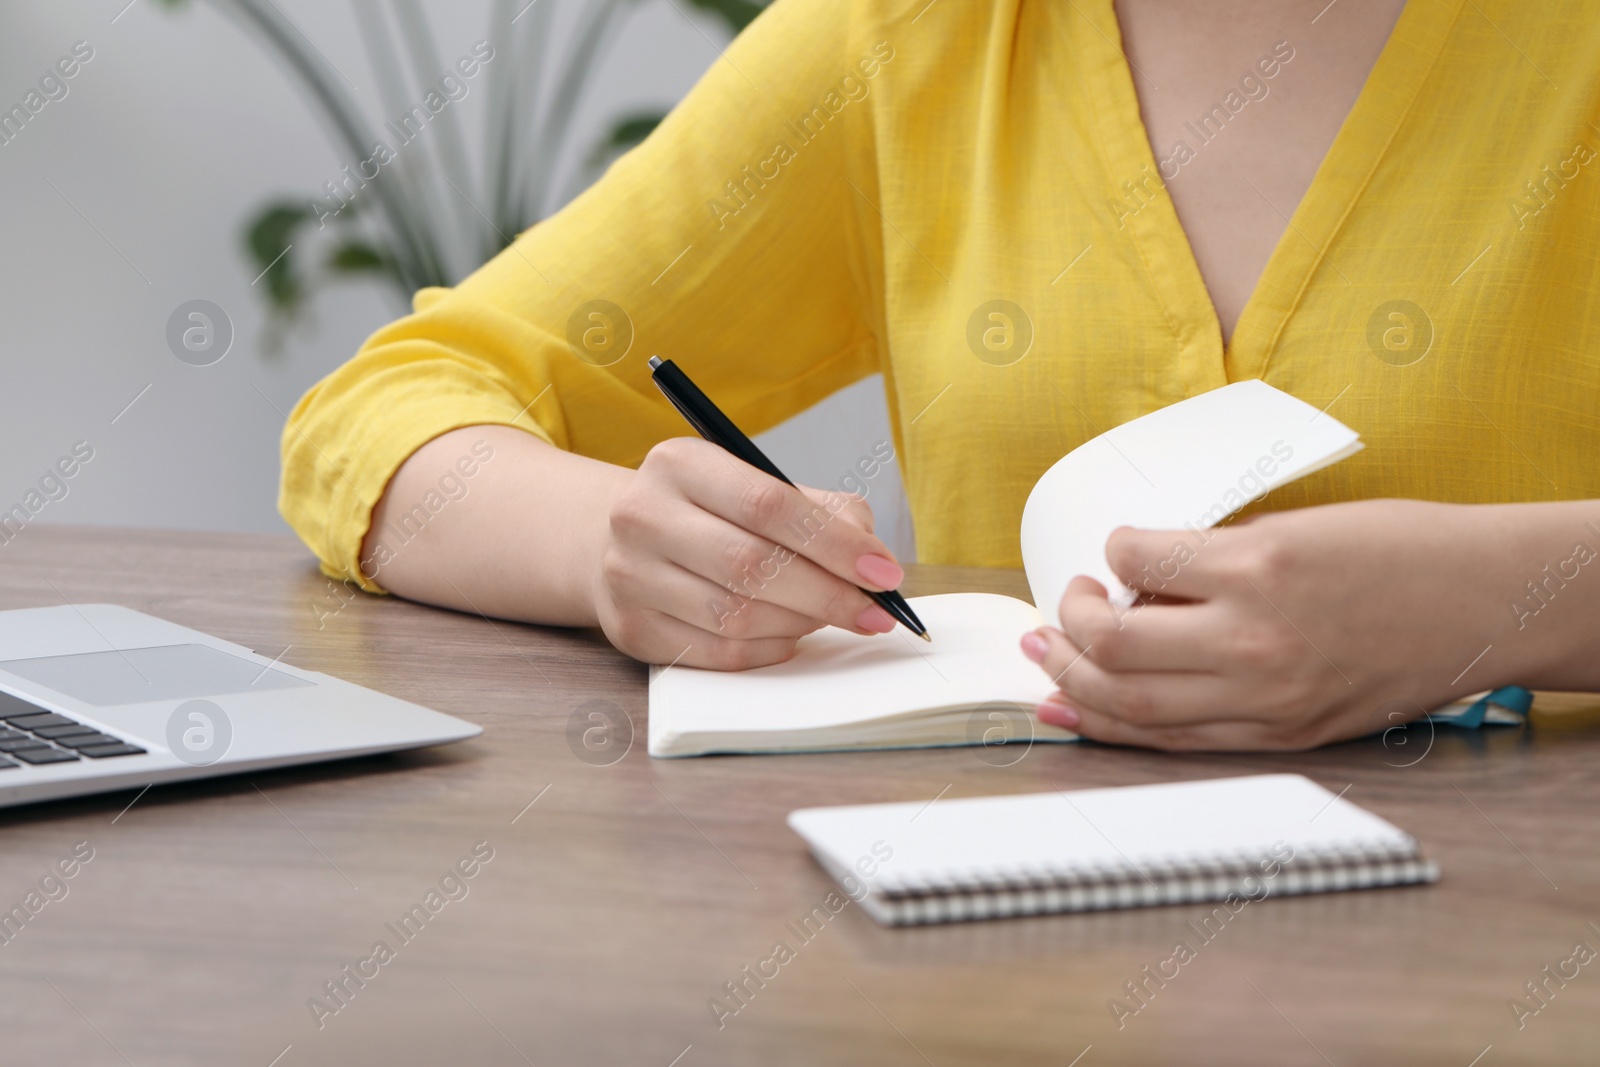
x,y
127,197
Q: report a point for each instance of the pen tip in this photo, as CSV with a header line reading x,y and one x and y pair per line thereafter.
x,y
925,637
655,361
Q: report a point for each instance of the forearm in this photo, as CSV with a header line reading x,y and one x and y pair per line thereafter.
x,y
520,541
1551,602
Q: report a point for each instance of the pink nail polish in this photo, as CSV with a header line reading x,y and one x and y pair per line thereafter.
x,y
875,619
880,571
1058,715
1034,646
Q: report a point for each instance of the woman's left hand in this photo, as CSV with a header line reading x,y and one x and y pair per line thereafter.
x,y
1290,630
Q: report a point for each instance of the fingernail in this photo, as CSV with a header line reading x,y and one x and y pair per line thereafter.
x,y
880,571
1034,646
1058,715
875,619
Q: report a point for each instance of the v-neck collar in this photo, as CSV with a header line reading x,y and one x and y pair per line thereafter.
x,y
1301,253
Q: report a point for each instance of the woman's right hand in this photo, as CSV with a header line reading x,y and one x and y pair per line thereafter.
x,y
709,562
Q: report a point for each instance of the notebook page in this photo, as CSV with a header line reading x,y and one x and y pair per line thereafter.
x,y
1084,829
839,678
1187,466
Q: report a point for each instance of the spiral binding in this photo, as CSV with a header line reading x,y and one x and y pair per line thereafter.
x,y
956,894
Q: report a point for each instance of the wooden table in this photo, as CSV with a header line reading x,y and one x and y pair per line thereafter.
x,y
620,902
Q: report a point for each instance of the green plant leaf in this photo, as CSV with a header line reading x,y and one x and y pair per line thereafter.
x,y
627,132
633,129
269,241
356,256
736,13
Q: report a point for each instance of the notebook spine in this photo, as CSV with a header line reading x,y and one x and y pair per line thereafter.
x,y
954,896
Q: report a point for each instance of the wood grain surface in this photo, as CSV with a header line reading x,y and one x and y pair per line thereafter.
x,y
621,902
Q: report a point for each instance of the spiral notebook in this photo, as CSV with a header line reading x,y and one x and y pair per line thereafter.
x,y
1230,840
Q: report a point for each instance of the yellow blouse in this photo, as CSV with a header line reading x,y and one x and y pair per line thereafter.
x,y
962,195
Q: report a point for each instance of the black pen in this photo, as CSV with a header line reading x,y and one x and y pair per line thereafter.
x,y
709,422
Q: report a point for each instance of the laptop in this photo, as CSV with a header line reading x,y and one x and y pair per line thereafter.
x,y
98,697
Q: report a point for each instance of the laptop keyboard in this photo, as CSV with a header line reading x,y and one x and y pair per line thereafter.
x,y
33,735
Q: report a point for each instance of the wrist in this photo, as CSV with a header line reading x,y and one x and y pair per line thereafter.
x,y
584,529
1545,587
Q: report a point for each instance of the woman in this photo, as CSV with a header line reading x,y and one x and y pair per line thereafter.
x,y
1039,219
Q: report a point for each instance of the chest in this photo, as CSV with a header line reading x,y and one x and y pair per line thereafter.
x,y
1241,103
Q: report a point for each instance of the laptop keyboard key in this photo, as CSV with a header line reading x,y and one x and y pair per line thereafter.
x,y
43,754
116,749
4,763
33,722
53,732
13,743
93,737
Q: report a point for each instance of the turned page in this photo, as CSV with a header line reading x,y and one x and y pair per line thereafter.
x,y
1184,467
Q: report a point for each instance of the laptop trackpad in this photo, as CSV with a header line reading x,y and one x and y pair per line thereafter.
x,y
137,675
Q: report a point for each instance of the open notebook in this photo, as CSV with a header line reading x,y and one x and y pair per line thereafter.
x,y
1234,840
1187,466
